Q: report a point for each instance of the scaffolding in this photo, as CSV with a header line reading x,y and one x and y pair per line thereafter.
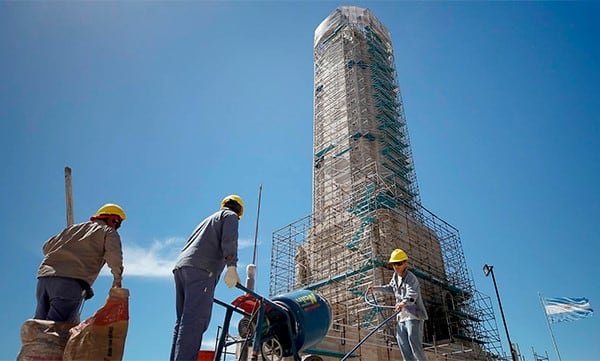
x,y
335,261
366,203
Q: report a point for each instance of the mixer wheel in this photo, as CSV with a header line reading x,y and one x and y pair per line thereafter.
x,y
246,327
272,350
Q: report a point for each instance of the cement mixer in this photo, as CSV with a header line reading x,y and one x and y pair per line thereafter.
x,y
281,327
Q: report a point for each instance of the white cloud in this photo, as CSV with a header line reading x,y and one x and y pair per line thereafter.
x,y
245,243
209,344
157,260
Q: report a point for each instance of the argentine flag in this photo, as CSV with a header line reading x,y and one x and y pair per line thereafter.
x,y
567,308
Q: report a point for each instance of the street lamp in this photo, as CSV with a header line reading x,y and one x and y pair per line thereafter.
x,y
487,270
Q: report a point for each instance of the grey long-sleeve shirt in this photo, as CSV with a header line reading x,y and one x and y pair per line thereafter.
x,y
81,250
213,244
408,290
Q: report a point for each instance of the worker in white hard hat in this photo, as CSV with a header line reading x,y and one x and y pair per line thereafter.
x,y
72,261
212,246
411,319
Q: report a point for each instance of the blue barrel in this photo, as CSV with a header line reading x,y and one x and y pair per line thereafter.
x,y
310,315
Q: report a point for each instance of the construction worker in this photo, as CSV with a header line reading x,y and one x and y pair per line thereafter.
x,y
212,245
405,286
72,261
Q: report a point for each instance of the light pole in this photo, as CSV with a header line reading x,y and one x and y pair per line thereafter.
x,y
487,270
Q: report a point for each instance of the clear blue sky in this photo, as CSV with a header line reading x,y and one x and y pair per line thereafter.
x,y
165,107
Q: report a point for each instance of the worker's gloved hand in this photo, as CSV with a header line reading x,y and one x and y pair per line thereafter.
x,y
231,277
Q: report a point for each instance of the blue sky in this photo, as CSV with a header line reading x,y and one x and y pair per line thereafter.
x,y
165,107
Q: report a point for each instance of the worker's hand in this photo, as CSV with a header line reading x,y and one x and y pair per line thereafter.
x,y
87,293
399,306
231,277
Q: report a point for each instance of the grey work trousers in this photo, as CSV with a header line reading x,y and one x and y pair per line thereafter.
x,y
410,339
194,292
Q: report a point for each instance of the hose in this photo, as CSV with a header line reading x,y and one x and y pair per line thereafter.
x,y
372,304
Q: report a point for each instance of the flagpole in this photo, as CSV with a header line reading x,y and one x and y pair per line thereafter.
x,y
549,327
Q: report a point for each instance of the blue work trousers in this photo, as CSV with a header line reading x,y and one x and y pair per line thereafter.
x,y
58,299
194,292
410,340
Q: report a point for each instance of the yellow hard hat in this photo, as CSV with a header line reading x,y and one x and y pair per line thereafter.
x,y
110,208
235,198
398,255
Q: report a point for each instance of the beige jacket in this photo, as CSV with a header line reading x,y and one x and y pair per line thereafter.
x,y
81,250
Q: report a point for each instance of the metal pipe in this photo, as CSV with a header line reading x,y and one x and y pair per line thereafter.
x,y
349,354
256,230
251,268
69,196
490,269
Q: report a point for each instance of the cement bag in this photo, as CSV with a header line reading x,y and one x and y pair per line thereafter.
x,y
43,340
102,336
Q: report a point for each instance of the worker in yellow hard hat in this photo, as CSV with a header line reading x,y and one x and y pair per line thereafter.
x,y
212,245
72,261
409,302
